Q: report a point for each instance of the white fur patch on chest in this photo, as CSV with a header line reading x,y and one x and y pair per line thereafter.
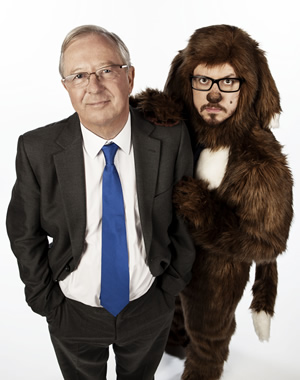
x,y
211,166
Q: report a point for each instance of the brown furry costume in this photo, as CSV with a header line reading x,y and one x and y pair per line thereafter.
x,y
247,217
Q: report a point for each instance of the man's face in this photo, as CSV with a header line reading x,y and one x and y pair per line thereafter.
x,y
102,105
215,106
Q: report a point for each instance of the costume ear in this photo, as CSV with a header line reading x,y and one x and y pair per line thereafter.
x,y
172,84
267,105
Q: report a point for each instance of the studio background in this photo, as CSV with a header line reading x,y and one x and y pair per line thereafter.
x,y
32,96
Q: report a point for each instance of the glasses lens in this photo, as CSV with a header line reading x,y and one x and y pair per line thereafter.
x,y
77,80
229,84
108,73
104,73
201,83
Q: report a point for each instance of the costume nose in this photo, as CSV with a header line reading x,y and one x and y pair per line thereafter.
x,y
214,96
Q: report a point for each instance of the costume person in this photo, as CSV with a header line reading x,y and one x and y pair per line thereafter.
x,y
57,196
239,204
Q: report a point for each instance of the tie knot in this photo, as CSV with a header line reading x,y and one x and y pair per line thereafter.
x,y
110,151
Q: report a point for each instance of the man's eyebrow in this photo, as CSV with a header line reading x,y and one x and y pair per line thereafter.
x,y
100,66
76,70
232,75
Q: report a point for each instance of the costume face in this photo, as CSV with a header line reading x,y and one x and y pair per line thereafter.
x,y
215,106
102,105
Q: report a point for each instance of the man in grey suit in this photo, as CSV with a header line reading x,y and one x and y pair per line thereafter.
x,y
54,219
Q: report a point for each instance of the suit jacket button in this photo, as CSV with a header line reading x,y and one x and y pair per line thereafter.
x,y
67,268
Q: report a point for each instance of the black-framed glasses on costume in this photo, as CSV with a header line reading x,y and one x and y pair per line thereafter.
x,y
203,83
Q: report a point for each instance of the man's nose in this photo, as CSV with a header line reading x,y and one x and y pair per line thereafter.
x,y
95,83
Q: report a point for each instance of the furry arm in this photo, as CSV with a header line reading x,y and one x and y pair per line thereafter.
x,y
247,218
264,295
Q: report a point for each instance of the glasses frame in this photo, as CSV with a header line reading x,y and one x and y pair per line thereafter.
x,y
213,81
69,81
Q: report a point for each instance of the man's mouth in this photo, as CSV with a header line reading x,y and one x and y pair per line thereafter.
x,y
212,108
97,103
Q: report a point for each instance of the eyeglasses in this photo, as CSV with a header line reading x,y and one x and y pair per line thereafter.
x,y
105,73
202,83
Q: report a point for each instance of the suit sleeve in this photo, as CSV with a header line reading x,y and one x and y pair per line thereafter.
x,y
178,273
28,241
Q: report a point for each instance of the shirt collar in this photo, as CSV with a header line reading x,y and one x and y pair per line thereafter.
x,y
93,143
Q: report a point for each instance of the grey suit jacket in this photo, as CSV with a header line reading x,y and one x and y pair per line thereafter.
x,y
48,200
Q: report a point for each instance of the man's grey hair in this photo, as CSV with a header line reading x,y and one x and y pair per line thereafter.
x,y
93,29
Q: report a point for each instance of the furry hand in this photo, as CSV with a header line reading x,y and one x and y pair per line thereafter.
x,y
191,200
157,107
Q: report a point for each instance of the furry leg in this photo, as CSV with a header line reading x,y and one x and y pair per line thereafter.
x,y
206,357
209,303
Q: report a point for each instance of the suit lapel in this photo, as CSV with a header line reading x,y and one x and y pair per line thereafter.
x,y
146,156
69,165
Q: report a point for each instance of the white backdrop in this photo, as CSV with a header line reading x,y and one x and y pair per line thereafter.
x,y
31,96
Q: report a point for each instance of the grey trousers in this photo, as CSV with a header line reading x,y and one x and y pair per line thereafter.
x,y
81,336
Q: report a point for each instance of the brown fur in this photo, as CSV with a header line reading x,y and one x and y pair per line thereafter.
x,y
247,218
157,108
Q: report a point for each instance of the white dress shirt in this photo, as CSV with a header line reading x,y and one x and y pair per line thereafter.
x,y
84,283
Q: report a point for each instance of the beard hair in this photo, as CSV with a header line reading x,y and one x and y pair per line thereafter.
x,y
212,120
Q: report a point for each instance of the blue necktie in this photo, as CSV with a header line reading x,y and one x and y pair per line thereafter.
x,y
115,272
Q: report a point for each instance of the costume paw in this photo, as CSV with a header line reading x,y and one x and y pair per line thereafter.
x,y
157,107
262,324
274,123
190,198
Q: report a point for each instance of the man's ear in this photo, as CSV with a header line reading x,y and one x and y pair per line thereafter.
x,y
63,83
131,74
